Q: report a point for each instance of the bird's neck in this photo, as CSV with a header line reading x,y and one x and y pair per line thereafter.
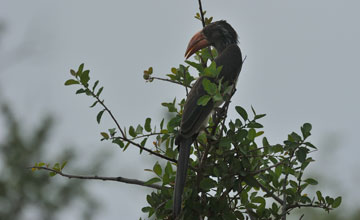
x,y
220,47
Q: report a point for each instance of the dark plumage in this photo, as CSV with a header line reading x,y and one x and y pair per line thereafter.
x,y
195,117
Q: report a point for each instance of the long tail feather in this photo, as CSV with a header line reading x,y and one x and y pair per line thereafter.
x,y
182,166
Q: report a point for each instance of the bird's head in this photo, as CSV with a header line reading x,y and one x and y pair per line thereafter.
x,y
219,34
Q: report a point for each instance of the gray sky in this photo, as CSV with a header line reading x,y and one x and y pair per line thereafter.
x,y
301,66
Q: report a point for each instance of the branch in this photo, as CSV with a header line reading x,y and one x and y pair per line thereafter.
x,y
201,14
297,205
148,150
167,80
124,138
203,24
116,179
265,169
108,111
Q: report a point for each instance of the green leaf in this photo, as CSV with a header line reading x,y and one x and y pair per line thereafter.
x,y
157,169
209,87
197,66
72,72
152,181
63,165
301,154
259,116
207,183
99,91
52,174
143,142
95,84
84,78
278,171
132,131
218,97
295,137
251,181
119,142
147,125
139,129
162,124
319,196
212,71
80,69
253,124
105,135
203,100
265,142
93,105
305,130
174,122
170,106
71,82
126,146
336,202
310,145
251,134
112,131
79,91
311,181
242,112
56,167
259,199
99,115
168,168
150,70
146,209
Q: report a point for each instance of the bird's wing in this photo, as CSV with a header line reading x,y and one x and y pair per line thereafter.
x,y
195,116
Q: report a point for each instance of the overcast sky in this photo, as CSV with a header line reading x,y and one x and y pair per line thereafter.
x,y
302,66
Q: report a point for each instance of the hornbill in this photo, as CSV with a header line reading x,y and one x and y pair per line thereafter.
x,y
224,39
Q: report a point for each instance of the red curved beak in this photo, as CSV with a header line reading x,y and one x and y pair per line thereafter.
x,y
197,42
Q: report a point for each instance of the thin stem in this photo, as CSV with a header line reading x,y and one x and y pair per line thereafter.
x,y
116,179
148,150
124,138
201,14
203,24
109,112
168,80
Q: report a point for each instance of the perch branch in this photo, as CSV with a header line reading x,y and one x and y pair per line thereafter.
x,y
116,179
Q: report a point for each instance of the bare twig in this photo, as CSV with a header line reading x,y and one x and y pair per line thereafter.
x,y
148,150
168,80
204,24
109,112
201,14
124,138
296,205
145,135
116,179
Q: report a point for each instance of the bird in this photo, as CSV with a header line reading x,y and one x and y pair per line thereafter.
x,y
222,36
